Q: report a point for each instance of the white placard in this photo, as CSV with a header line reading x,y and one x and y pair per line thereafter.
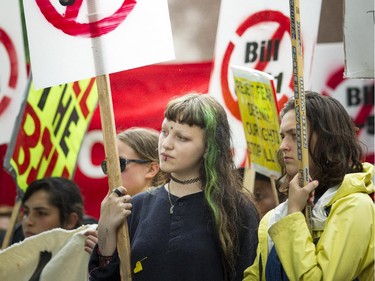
x,y
255,34
13,77
95,37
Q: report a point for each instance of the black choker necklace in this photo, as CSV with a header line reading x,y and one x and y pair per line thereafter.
x,y
185,181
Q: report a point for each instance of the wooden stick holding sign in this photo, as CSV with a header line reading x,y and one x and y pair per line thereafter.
x,y
299,96
12,223
114,173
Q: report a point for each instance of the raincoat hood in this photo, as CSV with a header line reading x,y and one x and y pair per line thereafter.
x,y
356,182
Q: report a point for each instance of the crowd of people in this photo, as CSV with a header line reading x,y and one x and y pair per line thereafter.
x,y
190,218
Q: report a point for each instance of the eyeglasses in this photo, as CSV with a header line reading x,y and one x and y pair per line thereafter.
x,y
123,163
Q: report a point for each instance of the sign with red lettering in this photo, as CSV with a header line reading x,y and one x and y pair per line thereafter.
x,y
257,35
13,79
49,132
91,38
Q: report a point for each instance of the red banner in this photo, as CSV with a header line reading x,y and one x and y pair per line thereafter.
x,y
139,98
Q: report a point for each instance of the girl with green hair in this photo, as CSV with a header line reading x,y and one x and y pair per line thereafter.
x,y
201,225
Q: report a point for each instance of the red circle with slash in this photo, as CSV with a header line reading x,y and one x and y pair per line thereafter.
x,y
13,77
257,18
67,22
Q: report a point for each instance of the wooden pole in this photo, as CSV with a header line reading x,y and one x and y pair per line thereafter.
x,y
249,179
274,190
299,95
114,173
12,223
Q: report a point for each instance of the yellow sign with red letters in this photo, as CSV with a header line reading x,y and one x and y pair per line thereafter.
x,y
49,131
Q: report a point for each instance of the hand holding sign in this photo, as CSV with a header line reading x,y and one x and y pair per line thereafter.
x,y
94,44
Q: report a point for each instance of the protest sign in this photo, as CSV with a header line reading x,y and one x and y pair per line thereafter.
x,y
256,34
93,38
13,77
257,103
156,83
49,131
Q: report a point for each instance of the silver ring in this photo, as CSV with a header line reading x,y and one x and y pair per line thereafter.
x,y
118,192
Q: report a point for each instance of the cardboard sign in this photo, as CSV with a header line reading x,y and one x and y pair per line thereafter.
x,y
257,102
96,37
13,77
256,34
49,132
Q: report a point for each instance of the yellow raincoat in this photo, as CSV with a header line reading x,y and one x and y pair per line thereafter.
x,y
345,250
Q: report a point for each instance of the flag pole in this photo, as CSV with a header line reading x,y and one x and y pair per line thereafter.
x,y
114,173
299,96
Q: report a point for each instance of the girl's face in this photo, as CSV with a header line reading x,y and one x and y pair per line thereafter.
x,y
136,176
181,148
288,144
39,214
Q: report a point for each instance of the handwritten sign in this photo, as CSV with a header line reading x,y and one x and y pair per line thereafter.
x,y
257,102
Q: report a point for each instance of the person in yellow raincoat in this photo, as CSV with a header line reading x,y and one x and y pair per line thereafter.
x,y
341,245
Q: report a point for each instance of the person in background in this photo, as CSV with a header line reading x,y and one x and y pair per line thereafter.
x,y
139,164
52,202
265,198
201,225
52,233
138,150
341,243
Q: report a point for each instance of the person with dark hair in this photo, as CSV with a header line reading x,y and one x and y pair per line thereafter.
x,y
340,245
52,202
53,234
201,225
266,196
